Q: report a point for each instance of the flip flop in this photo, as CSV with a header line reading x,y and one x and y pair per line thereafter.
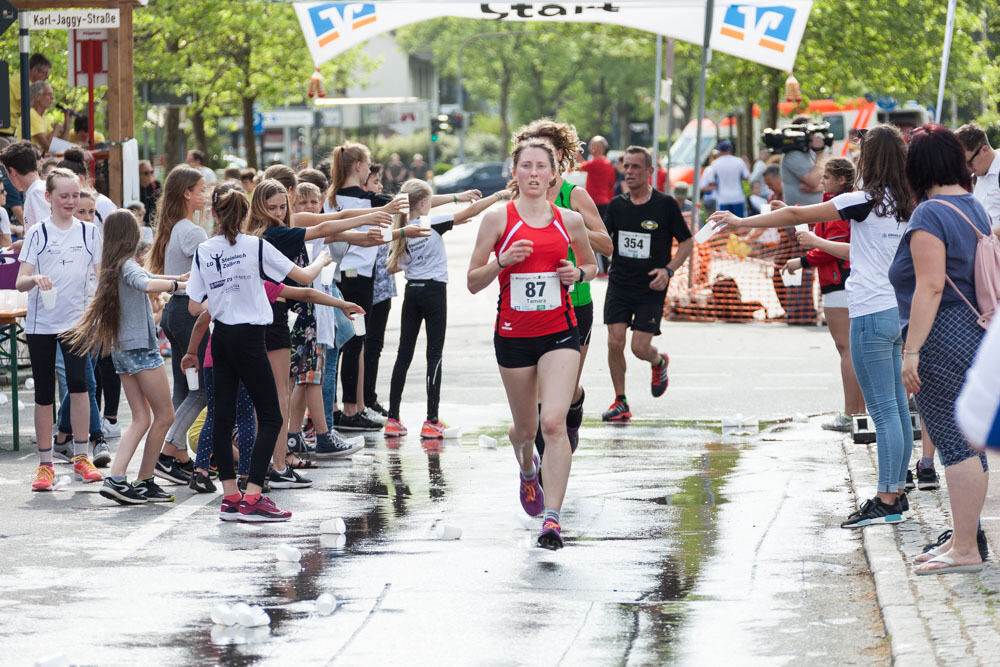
x,y
301,464
932,552
950,566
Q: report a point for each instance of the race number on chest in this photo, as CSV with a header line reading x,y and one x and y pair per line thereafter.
x,y
634,244
535,291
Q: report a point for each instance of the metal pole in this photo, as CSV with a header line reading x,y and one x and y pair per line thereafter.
x,y
695,186
946,52
461,109
25,46
656,108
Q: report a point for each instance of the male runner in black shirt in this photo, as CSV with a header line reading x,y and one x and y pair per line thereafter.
x,y
643,224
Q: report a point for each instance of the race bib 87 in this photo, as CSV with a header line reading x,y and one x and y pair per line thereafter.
x,y
634,245
535,291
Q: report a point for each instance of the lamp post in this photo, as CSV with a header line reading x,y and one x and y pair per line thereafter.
x,y
461,94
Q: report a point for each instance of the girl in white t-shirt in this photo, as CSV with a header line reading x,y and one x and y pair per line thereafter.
x,y
425,265
878,213
56,260
227,279
119,320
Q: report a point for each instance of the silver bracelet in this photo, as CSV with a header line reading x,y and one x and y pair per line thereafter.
x,y
905,352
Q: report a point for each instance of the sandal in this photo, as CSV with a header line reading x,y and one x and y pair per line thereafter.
x,y
293,461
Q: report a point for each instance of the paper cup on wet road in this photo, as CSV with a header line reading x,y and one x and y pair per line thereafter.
x,y
192,377
327,272
49,298
791,279
359,324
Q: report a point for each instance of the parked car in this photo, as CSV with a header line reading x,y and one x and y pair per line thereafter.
x,y
483,176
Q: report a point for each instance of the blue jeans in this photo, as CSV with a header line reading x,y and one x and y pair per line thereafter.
x,y
738,209
343,332
877,353
64,413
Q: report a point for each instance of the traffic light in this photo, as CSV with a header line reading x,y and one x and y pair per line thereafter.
x,y
455,119
439,124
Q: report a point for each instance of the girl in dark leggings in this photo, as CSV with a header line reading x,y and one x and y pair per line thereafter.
x,y
425,265
227,276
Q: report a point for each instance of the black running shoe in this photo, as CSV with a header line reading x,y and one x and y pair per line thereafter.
x,y
618,412
153,492
187,466
241,484
358,422
903,502
927,478
167,468
378,409
660,381
297,443
337,416
331,445
910,484
122,492
287,480
874,511
201,483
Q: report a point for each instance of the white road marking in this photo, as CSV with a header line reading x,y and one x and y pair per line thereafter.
x,y
790,387
149,532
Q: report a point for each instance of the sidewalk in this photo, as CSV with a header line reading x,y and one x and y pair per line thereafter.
x,y
944,619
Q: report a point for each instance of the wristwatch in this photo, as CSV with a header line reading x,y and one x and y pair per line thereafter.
x,y
670,272
583,276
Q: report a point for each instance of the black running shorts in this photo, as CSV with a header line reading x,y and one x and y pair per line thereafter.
x,y
640,309
525,352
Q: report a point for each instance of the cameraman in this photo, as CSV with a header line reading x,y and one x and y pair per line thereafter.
x,y
801,170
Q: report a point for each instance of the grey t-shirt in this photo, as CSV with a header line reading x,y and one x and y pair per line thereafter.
x,y
185,238
136,331
795,165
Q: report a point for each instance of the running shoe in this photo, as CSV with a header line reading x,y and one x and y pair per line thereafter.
x,y
153,492
84,470
377,408
230,510
201,483
262,511
122,492
287,480
910,484
618,412
358,422
981,543
331,445
393,429
102,453
337,416
532,496
297,443
903,502
927,478
187,466
111,430
241,484
840,423
433,431
660,379
874,511
374,416
550,537
167,468
62,451
45,479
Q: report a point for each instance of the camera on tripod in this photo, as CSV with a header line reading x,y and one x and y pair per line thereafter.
x,y
796,137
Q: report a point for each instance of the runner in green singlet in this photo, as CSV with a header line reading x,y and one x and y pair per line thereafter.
x,y
564,139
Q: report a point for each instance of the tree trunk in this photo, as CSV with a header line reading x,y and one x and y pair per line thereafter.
x,y
249,138
198,130
748,135
172,138
504,106
773,97
624,118
602,103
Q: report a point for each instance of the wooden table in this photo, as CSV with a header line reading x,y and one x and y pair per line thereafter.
x,y
8,356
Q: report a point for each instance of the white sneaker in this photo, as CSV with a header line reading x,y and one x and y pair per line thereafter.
x,y
374,416
111,430
840,423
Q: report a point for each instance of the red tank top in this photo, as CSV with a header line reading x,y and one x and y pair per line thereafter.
x,y
533,302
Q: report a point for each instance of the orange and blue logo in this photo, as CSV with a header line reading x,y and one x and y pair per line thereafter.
x,y
332,20
765,26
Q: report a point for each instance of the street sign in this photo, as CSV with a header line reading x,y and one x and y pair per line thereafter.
x,y
258,122
74,19
88,49
8,15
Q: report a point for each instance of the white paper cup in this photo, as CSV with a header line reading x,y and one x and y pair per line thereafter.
x,y
804,227
192,377
453,432
288,553
223,614
49,298
446,531
705,232
486,442
405,198
333,526
387,234
765,208
327,273
359,324
326,604
791,279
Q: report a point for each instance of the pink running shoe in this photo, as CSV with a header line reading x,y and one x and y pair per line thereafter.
x,y
532,496
262,511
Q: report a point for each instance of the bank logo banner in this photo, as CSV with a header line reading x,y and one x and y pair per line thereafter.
x,y
763,32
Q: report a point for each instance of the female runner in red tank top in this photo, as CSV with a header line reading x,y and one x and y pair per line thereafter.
x,y
536,338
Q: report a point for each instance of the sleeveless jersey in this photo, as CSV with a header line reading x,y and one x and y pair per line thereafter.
x,y
533,302
580,296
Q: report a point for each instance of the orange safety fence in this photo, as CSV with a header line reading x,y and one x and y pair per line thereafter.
x,y
736,277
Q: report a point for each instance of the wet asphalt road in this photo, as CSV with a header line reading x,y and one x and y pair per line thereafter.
x,y
683,547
